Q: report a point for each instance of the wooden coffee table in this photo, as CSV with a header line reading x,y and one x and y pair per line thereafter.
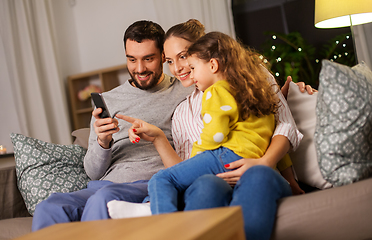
x,y
218,223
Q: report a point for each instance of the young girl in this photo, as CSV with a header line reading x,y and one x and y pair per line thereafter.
x,y
238,114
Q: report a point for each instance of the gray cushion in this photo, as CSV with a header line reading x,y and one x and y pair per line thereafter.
x,y
44,168
344,123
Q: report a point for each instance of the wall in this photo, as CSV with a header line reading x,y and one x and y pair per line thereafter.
x,y
90,32
100,26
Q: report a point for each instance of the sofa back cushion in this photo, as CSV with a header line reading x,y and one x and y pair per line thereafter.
x,y
304,159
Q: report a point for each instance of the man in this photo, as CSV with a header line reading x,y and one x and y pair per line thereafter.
x,y
118,168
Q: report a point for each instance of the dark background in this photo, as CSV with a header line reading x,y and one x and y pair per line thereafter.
x,y
252,18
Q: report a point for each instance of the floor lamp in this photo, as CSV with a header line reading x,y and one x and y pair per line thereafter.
x,y
343,13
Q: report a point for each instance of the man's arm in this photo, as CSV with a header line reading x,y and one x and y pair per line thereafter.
x,y
98,157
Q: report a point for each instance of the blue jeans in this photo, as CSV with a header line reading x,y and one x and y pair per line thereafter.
x,y
166,185
257,192
87,204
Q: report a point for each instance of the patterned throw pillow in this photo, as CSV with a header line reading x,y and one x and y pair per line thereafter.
x,y
343,133
44,168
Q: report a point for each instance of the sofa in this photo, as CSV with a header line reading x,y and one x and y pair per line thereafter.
x,y
337,203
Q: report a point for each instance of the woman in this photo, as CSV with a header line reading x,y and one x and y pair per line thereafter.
x,y
187,123
266,187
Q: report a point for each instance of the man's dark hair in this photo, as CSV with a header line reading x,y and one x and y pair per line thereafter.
x,y
145,30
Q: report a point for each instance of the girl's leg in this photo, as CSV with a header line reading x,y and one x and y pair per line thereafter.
x,y
166,184
257,192
208,191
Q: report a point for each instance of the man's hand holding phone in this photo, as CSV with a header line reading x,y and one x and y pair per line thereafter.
x,y
104,126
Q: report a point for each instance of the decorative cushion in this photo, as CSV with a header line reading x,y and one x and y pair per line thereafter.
x,y
343,134
44,168
304,159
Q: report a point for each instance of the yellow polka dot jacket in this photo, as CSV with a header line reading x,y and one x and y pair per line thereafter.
x,y
224,127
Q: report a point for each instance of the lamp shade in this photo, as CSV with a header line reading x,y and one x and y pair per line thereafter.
x,y
337,13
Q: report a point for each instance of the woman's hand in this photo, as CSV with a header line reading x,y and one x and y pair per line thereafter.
x,y
141,129
146,131
301,85
239,166
104,128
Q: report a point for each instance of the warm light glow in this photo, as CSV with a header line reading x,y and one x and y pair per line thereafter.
x,y
336,13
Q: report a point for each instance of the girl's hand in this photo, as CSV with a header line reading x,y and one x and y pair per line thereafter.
x,y
240,166
141,129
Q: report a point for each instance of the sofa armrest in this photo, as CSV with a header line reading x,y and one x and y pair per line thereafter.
x,y
11,201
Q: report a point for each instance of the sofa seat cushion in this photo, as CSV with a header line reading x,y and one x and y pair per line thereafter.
x,y
337,213
15,227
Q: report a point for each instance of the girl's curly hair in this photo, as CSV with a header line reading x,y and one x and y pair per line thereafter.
x,y
243,69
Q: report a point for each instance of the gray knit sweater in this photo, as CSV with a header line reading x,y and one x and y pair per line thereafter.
x,y
125,161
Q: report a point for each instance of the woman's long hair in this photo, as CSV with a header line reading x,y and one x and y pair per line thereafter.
x,y
243,69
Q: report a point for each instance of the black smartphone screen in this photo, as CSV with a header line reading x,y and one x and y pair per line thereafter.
x,y
100,103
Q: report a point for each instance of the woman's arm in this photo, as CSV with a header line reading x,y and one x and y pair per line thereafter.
x,y
301,85
278,147
148,132
166,151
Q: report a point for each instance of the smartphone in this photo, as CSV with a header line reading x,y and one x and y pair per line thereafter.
x,y
100,103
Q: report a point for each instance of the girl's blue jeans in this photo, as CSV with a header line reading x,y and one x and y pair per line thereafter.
x,y
166,185
257,191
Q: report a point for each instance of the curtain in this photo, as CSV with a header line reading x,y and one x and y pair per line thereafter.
x,y
30,77
363,36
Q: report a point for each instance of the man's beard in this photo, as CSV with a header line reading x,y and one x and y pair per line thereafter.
x,y
151,84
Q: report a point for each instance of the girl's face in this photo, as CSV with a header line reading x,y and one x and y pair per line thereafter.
x,y
201,72
175,55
